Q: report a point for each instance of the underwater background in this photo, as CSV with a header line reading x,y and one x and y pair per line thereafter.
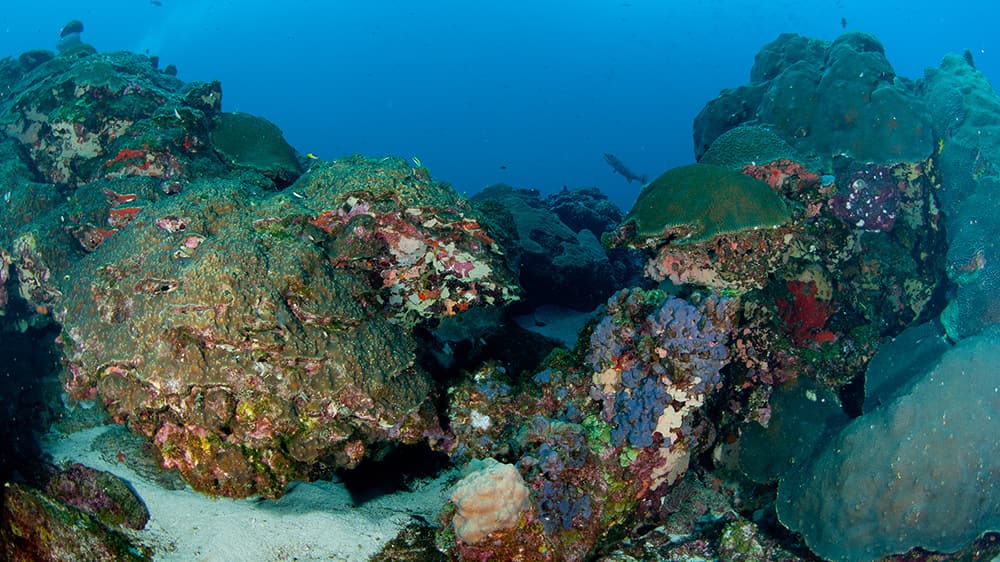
x,y
611,281
526,93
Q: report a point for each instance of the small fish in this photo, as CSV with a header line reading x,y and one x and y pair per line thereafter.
x,y
156,2
311,156
416,161
177,114
843,23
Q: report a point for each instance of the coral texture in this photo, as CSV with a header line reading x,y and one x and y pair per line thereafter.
x,y
696,202
825,98
919,471
488,500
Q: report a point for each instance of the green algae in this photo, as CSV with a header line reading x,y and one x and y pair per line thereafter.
x,y
694,203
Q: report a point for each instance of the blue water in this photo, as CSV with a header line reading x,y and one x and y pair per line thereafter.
x,y
529,93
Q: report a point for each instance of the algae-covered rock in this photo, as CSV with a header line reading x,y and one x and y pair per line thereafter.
x,y
99,493
226,343
554,263
93,115
36,526
585,208
254,142
259,337
697,202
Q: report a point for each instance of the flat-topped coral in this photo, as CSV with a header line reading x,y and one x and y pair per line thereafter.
x,y
696,202
254,142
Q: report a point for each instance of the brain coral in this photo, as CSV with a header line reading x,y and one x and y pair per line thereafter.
x,y
747,144
490,499
696,202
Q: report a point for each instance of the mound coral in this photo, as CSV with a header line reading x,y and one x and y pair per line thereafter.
x,y
256,143
747,144
916,472
697,202
490,499
825,98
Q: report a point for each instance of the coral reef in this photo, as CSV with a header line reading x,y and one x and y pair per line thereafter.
x,y
255,321
824,99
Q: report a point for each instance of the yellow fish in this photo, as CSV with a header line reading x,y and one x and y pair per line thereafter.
x,y
311,156
416,161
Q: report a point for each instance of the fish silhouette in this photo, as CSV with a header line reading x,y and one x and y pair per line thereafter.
x,y
620,168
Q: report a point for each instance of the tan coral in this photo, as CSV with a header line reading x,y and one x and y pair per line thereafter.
x,y
487,500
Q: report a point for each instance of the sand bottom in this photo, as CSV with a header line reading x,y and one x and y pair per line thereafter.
x,y
313,521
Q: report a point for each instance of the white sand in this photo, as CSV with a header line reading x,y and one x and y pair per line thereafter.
x,y
313,521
